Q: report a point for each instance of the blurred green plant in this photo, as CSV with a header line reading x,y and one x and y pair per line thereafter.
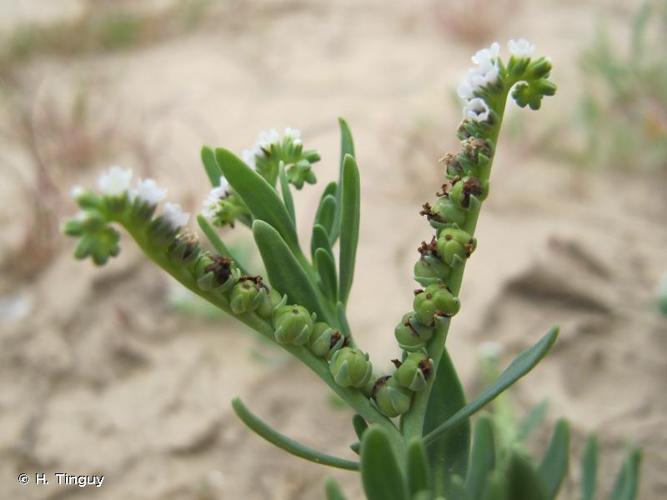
x,y
622,111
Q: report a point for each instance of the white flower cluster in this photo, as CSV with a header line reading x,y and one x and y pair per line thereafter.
x,y
486,73
116,181
264,141
212,202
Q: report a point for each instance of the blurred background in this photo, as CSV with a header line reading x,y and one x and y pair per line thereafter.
x,y
117,371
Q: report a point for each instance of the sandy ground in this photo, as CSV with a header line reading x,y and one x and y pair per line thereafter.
x,y
99,374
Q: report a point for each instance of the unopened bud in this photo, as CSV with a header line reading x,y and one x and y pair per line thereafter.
x,y
350,367
412,335
414,371
292,324
391,399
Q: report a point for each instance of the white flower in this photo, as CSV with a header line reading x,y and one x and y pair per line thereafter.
x,y
212,201
76,191
149,192
486,57
174,215
476,109
521,48
294,134
115,181
266,138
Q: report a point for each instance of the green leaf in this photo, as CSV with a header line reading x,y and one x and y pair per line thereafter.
x,y
380,473
259,196
523,480
532,420
332,489
349,228
326,212
285,443
326,269
627,480
284,271
521,365
346,148
320,239
448,454
359,425
556,460
482,458
213,170
589,469
496,487
217,243
418,470
287,195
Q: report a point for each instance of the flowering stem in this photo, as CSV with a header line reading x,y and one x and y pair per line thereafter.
x,y
413,421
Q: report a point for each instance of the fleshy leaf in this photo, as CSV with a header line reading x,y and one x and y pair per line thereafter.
x,y
482,458
589,469
349,236
556,460
332,489
380,473
418,469
213,170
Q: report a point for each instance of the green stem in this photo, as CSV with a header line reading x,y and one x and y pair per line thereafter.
x,y
354,398
413,422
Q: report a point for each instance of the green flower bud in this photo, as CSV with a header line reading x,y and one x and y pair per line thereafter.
x,y
98,240
414,371
454,245
325,340
391,399
412,335
293,324
430,269
446,211
350,367
247,295
540,68
301,172
463,189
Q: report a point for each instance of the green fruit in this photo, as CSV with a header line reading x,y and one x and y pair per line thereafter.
x,y
446,211
292,324
436,299
429,269
391,399
412,335
269,302
463,189
414,371
247,295
454,245
350,367
325,340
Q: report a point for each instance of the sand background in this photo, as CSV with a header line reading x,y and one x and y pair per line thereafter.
x,y
100,373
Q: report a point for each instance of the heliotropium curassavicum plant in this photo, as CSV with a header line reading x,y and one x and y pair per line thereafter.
x,y
412,425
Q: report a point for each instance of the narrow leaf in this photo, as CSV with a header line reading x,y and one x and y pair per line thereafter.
x,y
556,460
448,454
259,196
482,458
496,487
284,271
326,270
326,213
287,444
418,470
320,239
532,420
381,476
213,170
349,227
216,242
332,489
523,480
359,425
287,195
589,469
521,365
627,480
346,148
